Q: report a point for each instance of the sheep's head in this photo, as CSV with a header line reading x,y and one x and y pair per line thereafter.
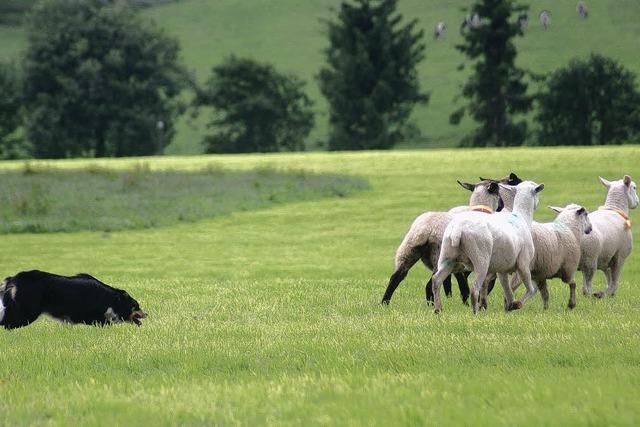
x,y
526,190
626,186
484,193
574,214
506,197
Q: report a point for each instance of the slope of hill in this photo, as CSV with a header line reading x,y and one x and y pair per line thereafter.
x,y
290,34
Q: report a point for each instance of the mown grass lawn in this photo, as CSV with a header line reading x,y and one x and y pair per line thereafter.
x,y
272,316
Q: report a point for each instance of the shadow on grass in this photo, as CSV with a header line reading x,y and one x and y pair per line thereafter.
x,y
45,199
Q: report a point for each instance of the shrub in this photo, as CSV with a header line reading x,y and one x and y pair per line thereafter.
x,y
592,101
257,109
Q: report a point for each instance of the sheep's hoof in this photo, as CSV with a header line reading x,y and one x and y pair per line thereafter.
x,y
515,305
437,310
571,305
385,302
599,294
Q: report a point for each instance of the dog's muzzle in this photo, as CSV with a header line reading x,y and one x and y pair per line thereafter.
x,y
136,316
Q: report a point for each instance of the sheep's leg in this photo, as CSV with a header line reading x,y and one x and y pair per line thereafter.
x,y
463,285
492,283
509,304
525,274
481,274
616,271
402,268
428,289
395,279
479,258
443,271
572,293
485,290
446,285
544,292
587,277
515,282
607,275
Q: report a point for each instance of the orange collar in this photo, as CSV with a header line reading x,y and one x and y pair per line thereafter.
x,y
627,221
481,208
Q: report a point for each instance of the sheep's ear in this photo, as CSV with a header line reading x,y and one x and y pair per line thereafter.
x,y
514,179
626,180
539,188
604,182
555,208
493,188
509,188
467,186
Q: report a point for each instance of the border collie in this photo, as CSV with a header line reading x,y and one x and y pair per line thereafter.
x,y
76,299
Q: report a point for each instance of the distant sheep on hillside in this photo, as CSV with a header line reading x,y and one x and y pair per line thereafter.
x,y
439,30
582,10
545,19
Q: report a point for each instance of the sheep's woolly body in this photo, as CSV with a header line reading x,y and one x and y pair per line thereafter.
x,y
499,243
485,236
557,251
611,241
610,237
424,236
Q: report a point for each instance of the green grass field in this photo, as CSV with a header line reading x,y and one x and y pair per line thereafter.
x,y
40,199
290,34
272,316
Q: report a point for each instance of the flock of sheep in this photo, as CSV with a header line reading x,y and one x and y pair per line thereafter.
x,y
473,21
496,235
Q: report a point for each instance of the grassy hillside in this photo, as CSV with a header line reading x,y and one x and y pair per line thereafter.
x,y
273,316
290,34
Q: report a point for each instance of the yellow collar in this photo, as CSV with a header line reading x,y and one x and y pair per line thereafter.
x,y
627,221
481,208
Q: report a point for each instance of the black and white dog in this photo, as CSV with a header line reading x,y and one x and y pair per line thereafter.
x,y
76,299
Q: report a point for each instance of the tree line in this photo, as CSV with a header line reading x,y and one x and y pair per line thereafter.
x,y
98,80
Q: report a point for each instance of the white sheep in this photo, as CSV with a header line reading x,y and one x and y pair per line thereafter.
x,y
424,238
557,250
439,30
582,10
471,21
610,242
499,243
523,21
545,19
